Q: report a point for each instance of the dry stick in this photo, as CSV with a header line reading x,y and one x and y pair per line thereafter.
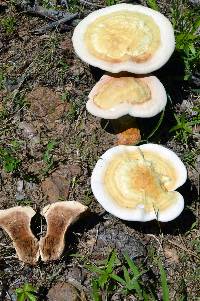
x,y
90,4
183,248
50,14
55,24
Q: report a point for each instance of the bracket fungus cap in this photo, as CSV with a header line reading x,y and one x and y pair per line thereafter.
x,y
59,217
125,37
137,183
16,222
138,96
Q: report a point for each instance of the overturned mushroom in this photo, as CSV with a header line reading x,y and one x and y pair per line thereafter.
x,y
125,37
16,222
59,217
138,183
118,95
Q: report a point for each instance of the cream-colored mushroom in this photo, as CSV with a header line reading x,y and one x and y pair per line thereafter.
x,y
137,183
16,222
117,95
125,37
59,217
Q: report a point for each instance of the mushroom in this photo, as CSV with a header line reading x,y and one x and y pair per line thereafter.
x,y
130,136
59,217
125,37
16,222
115,96
137,183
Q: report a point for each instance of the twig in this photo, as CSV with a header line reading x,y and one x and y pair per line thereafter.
x,y
55,24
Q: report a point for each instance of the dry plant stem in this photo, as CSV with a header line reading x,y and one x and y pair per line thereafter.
x,y
58,216
16,222
54,24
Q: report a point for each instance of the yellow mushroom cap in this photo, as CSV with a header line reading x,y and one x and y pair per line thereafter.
x,y
125,37
118,95
137,183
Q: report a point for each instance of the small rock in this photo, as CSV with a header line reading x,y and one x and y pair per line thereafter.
x,y
63,292
194,2
20,185
19,196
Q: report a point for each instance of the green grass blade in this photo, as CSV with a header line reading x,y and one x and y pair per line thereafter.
x,y
165,289
132,266
94,269
136,274
31,297
153,4
95,291
111,262
103,279
126,275
118,279
157,125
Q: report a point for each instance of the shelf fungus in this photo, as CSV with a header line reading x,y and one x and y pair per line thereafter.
x,y
125,37
137,183
59,217
115,96
16,222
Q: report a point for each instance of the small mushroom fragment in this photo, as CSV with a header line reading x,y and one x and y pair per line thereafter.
x,y
59,217
129,136
16,222
125,37
137,183
118,95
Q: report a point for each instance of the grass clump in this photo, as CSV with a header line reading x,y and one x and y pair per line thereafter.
x,y
8,24
125,278
26,293
186,23
8,159
153,4
184,126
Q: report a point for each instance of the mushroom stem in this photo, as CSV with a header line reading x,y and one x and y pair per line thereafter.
x,y
16,222
59,217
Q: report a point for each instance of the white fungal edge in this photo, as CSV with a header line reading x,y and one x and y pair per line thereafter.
x,y
149,108
160,57
132,214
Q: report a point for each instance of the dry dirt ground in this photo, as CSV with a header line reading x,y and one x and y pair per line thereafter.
x,y
54,143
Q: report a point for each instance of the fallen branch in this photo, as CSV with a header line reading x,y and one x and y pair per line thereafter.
x,y
54,24
40,11
84,2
